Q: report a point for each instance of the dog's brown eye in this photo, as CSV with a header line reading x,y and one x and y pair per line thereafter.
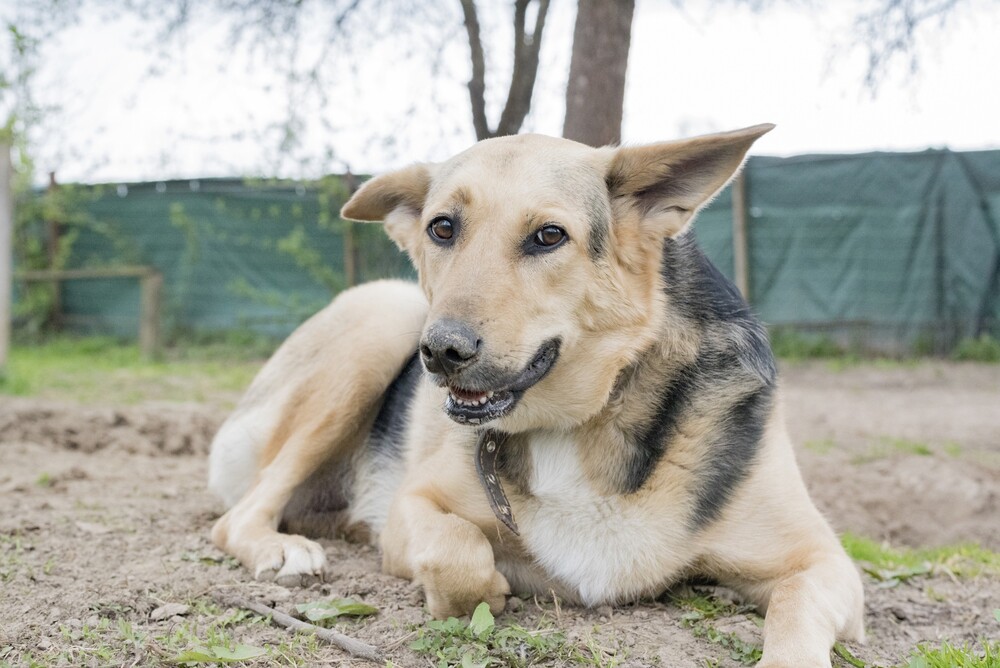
x,y
549,236
441,229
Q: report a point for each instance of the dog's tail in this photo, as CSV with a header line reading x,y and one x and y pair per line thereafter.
x,y
312,405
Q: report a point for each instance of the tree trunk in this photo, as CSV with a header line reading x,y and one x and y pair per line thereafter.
x,y
596,91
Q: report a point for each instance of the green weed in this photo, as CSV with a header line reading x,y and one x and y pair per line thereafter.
x,y
887,446
480,643
949,656
985,348
891,566
822,446
796,346
702,610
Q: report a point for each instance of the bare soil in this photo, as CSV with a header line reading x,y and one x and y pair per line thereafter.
x,y
106,517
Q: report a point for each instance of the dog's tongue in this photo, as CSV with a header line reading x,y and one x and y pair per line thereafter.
x,y
487,449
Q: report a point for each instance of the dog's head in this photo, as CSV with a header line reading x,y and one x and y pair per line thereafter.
x,y
540,258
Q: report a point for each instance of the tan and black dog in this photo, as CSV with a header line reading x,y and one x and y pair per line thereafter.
x,y
573,400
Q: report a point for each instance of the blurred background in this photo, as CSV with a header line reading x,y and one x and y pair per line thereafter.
x,y
171,173
177,167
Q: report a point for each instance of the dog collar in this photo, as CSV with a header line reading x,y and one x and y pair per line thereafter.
x,y
487,450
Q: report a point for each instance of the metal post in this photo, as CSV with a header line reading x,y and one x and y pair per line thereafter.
x,y
741,258
6,250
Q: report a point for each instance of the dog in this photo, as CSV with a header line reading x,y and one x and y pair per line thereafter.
x,y
572,400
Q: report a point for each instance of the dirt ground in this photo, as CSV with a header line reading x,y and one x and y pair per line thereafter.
x,y
106,520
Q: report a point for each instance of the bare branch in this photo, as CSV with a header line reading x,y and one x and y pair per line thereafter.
x,y
522,80
890,31
477,84
350,645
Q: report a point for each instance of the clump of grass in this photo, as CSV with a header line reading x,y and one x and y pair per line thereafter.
x,y
480,643
887,446
984,348
891,566
821,446
702,610
949,656
796,346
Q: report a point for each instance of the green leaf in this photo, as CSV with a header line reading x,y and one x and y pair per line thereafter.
x,y
219,654
846,655
918,662
482,621
339,607
996,614
468,661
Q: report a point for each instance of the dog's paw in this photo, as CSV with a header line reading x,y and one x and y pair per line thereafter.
x,y
291,561
455,582
445,600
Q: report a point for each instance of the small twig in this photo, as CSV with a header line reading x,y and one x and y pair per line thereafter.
x,y
346,643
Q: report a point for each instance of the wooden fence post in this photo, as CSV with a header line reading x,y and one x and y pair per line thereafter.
x,y
741,257
6,250
151,291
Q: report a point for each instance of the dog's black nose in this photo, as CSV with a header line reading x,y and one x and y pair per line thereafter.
x,y
448,346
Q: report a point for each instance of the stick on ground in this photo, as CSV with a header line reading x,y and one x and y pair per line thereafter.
x,y
346,643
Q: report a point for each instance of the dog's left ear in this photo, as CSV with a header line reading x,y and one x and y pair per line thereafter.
x,y
396,198
667,183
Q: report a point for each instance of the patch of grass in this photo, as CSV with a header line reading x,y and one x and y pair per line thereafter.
x,y
106,370
12,549
891,566
702,610
888,446
985,348
821,446
949,656
480,642
796,346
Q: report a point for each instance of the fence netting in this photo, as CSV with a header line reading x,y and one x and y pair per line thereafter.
x,y
885,251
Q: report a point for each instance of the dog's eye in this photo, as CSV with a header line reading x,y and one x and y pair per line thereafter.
x,y
549,236
441,229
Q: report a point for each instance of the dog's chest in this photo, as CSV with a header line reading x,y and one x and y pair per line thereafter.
x,y
607,548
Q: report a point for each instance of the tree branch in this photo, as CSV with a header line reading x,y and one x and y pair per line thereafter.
x,y
890,30
477,84
346,643
522,80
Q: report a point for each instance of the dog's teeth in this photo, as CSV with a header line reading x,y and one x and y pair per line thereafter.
x,y
489,395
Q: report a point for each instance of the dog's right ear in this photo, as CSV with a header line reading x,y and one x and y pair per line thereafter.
x,y
396,198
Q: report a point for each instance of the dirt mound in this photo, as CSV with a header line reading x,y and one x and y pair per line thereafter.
x,y
169,429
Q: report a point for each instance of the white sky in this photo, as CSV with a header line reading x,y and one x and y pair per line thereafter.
x,y
709,66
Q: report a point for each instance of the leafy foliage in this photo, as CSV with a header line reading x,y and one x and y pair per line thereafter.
x,y
480,643
218,654
701,610
323,612
985,348
892,566
949,656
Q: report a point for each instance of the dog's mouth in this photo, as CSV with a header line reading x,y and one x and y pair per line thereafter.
x,y
480,405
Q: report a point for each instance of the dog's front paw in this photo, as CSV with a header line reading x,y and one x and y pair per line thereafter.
x,y
456,581
291,561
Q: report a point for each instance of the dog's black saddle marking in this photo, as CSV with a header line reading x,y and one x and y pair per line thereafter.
x,y
487,450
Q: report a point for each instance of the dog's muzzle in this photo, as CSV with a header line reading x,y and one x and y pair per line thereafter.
x,y
477,391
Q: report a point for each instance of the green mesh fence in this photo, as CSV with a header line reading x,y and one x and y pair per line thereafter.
x,y
881,251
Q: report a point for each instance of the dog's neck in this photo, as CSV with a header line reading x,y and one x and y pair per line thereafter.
x,y
650,406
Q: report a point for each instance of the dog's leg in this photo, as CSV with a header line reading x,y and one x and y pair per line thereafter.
x,y
807,611
448,555
339,364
